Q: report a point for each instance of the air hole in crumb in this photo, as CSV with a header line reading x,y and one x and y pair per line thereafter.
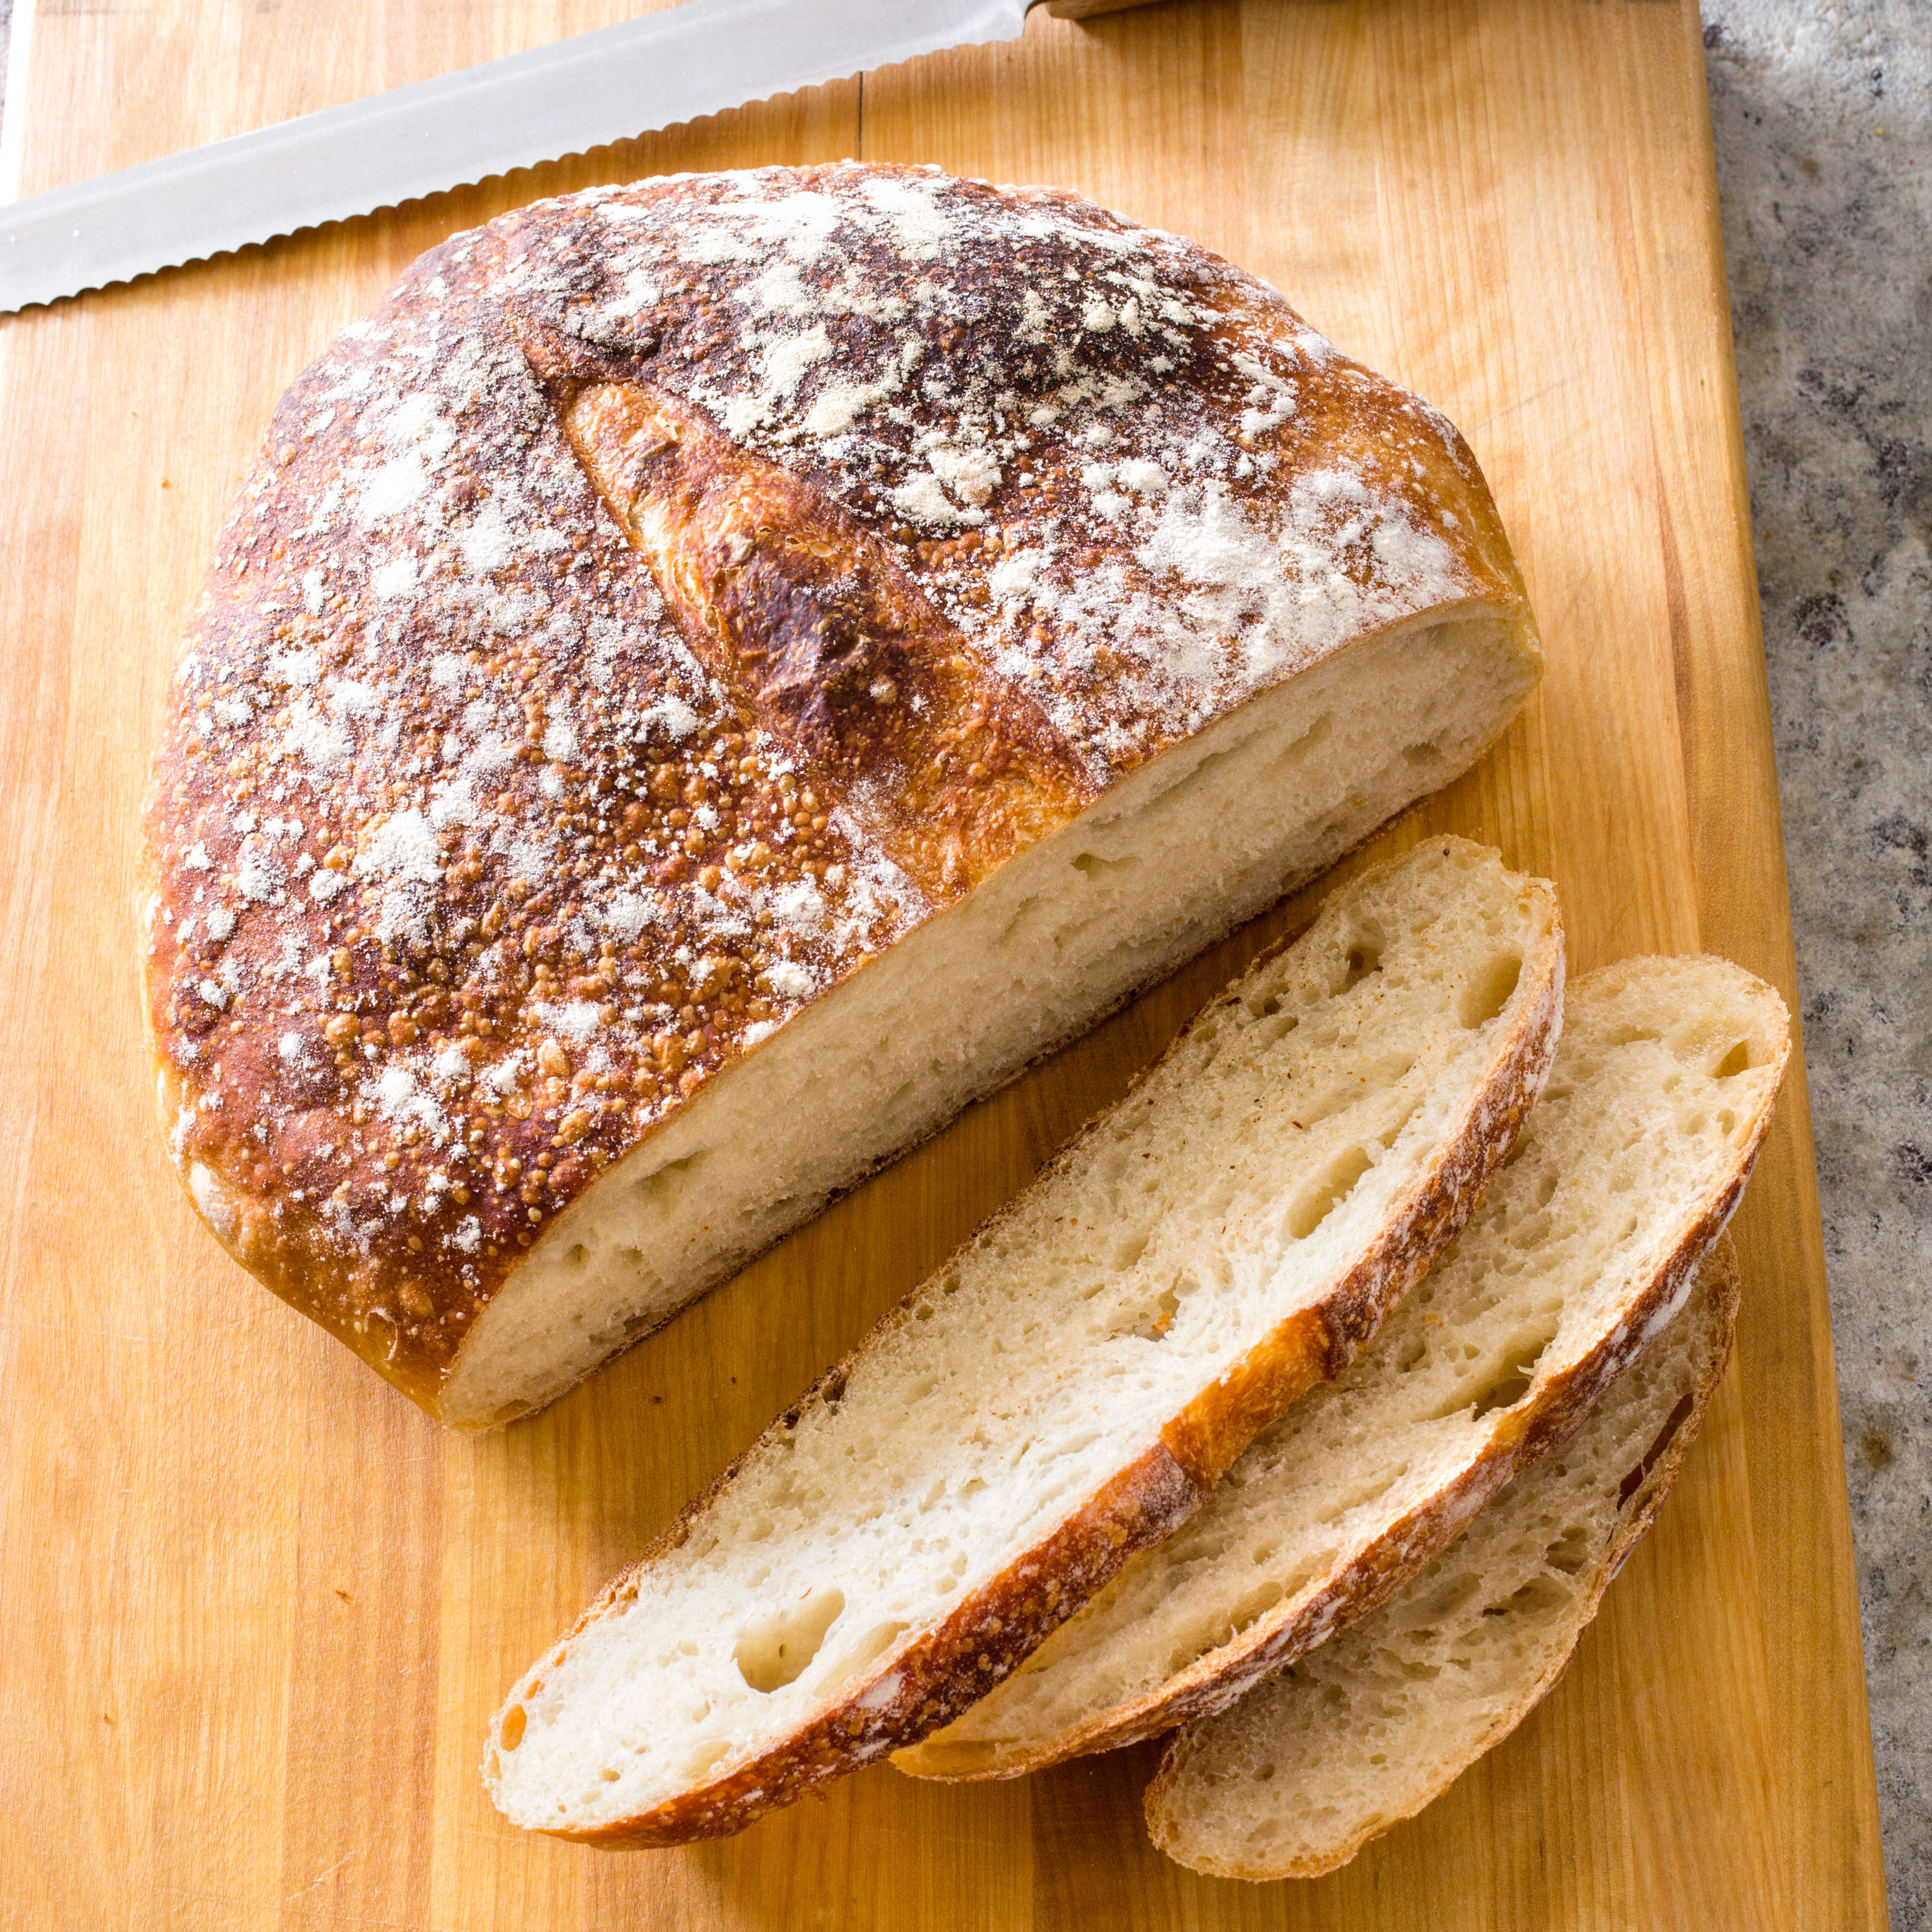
x,y
1538,1594
1567,1552
1509,1384
1737,1061
777,1652
1365,957
1253,1608
1423,755
664,1181
576,1254
1505,1394
1629,1033
1488,992
1273,1022
1319,1200
609,1776
510,1732
1094,866
1317,733
1155,1321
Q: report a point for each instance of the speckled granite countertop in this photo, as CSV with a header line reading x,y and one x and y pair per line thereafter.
x,y
1822,115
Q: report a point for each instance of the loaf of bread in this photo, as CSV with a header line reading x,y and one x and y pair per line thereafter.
x,y
1662,1088
1367,1730
1068,1387
713,674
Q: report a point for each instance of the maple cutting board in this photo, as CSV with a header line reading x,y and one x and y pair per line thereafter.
x,y
256,1609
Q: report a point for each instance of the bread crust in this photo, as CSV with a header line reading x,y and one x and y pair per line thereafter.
x,y
577,692
927,1682
1717,1276
1275,1639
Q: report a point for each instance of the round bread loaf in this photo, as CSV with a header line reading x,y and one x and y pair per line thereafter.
x,y
715,673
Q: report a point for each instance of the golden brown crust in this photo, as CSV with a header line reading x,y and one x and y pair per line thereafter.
x,y
495,818
1214,1429
1275,1639
922,1686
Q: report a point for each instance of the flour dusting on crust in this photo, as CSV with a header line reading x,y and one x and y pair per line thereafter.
x,y
469,866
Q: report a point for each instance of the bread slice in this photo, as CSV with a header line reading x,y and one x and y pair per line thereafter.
x,y
1663,1086
1069,1387
715,673
1367,1730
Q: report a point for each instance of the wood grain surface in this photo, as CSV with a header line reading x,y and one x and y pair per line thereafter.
x,y
258,1609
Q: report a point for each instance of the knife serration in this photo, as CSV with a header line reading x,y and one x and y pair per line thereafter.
x,y
564,99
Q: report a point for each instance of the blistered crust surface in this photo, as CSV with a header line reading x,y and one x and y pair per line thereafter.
x,y
483,832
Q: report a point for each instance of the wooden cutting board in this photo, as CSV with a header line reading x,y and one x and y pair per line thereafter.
x,y
257,1609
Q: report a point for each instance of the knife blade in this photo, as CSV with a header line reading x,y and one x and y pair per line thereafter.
x,y
460,128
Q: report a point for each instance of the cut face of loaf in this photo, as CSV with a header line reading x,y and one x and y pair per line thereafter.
x,y
1662,1090
715,673
1367,1730
1176,854
1068,1387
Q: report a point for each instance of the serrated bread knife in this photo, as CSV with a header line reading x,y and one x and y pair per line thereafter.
x,y
575,95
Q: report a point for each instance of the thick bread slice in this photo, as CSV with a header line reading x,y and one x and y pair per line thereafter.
x,y
715,673
1069,1386
1631,1164
1367,1730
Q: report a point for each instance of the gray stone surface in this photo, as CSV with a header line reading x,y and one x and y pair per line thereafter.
x,y
1822,115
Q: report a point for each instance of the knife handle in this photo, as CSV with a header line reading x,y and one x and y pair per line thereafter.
x,y
1085,10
